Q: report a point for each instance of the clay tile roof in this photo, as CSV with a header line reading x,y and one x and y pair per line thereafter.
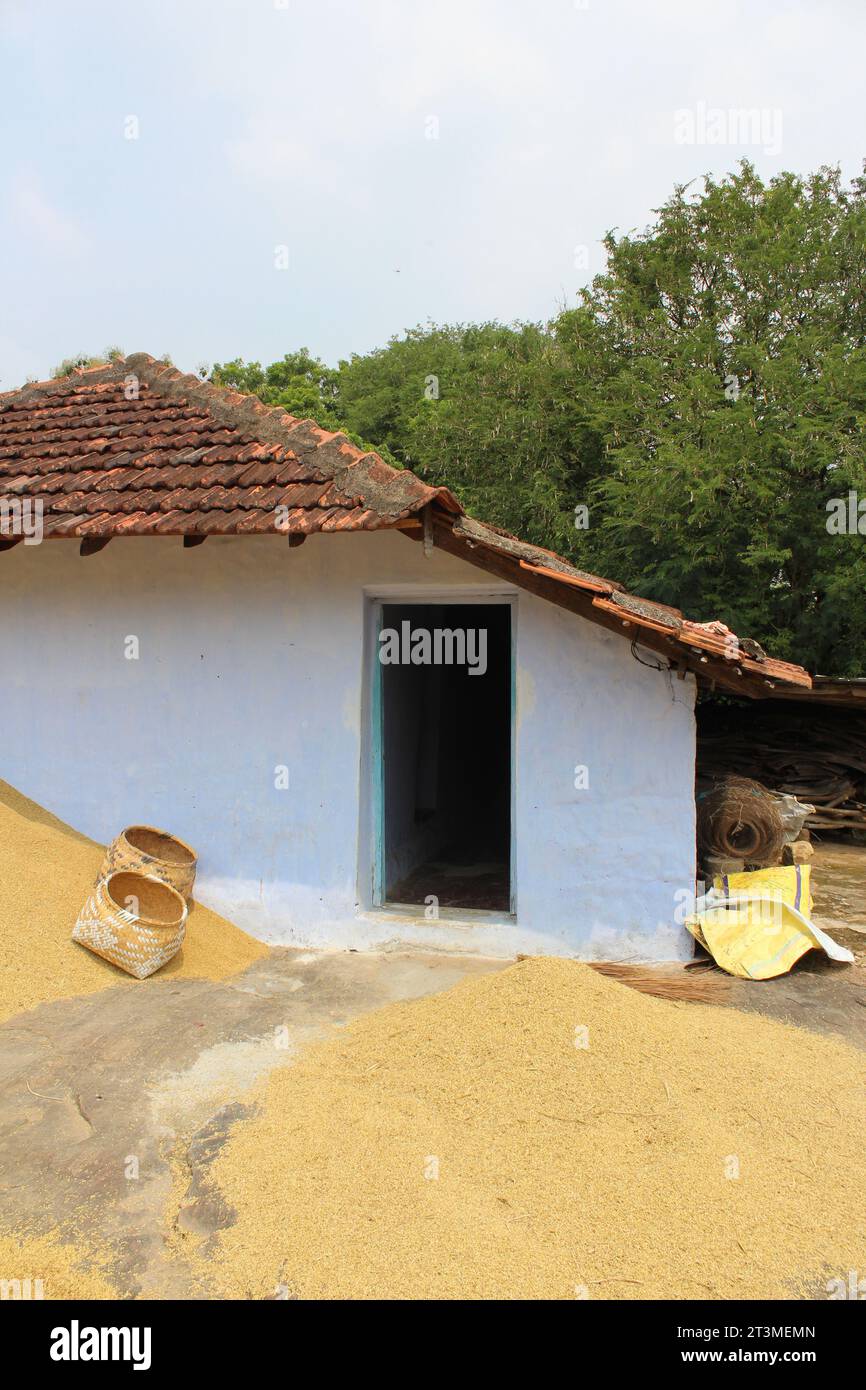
x,y
138,448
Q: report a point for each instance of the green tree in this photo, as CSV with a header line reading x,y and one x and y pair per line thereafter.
x,y
723,356
490,410
299,382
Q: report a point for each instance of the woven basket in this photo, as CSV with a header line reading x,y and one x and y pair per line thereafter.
x,y
134,921
146,850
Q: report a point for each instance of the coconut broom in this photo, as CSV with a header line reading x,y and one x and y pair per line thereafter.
x,y
702,984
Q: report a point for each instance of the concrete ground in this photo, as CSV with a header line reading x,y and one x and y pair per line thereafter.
x,y
112,1101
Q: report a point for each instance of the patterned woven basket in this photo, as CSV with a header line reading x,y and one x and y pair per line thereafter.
x,y
146,850
134,921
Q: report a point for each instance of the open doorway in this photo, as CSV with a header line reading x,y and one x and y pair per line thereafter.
x,y
445,749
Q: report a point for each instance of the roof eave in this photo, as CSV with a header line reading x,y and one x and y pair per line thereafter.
x,y
657,627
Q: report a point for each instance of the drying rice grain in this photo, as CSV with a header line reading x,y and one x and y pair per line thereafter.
x,y
469,1145
43,1267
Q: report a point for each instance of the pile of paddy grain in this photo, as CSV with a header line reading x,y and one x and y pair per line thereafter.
x,y
33,1266
545,1132
46,871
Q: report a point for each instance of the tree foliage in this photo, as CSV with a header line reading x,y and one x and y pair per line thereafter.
x,y
706,400
487,409
726,356
299,382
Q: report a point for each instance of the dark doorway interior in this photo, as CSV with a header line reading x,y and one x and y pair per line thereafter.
x,y
446,741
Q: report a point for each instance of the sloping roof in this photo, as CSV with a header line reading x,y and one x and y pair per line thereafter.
x,y
710,649
138,448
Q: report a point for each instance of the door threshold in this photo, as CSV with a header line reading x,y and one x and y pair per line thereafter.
x,y
454,916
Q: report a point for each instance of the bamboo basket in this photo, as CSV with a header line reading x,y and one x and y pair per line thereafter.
x,y
134,921
145,850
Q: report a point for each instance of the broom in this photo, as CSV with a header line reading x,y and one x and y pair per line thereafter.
x,y
703,983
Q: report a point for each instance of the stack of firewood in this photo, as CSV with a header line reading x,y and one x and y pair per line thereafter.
x,y
818,755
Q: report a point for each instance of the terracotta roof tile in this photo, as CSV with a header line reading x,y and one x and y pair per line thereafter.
x,y
184,456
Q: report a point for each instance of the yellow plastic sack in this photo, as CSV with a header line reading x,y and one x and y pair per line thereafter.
x,y
792,882
756,925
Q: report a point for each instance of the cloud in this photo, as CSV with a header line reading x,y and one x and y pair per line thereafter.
x,y
38,217
455,49
265,154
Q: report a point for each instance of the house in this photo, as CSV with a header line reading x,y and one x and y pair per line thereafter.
x,y
377,719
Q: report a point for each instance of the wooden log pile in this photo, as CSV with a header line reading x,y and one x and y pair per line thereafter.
x,y
816,754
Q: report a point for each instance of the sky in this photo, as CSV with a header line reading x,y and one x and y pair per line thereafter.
x,y
224,178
